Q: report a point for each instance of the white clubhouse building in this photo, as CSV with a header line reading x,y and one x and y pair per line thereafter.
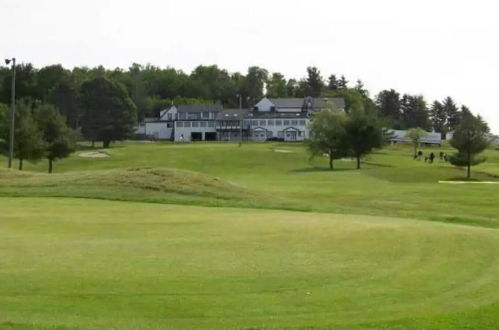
x,y
281,119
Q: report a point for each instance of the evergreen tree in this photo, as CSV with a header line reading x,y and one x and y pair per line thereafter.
x,y
314,82
438,118
333,83
415,112
470,138
388,103
360,88
452,112
342,83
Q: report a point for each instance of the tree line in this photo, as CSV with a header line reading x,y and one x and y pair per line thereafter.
x,y
152,88
104,105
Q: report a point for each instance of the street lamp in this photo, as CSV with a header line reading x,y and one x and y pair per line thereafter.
x,y
12,110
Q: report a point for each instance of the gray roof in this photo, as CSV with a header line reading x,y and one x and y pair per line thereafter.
x,y
401,136
232,114
288,103
277,115
199,107
315,103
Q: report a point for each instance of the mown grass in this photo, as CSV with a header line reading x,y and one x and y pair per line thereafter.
x,y
355,259
390,183
134,265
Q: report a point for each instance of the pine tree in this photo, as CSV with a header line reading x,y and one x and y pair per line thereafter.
x,y
332,83
438,118
314,82
452,113
342,83
470,138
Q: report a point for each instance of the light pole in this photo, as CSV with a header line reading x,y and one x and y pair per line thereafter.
x,y
241,119
12,110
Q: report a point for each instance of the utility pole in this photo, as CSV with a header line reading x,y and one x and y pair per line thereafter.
x,y
241,119
12,111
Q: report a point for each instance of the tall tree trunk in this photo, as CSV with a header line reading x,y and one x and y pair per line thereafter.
x,y
358,162
20,164
330,161
106,143
50,165
93,144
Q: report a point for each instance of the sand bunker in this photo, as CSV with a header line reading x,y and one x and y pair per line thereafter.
x,y
283,151
93,154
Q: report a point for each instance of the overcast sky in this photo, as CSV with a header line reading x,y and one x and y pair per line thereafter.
x,y
430,47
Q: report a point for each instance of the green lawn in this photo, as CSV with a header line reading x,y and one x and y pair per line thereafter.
x,y
136,265
216,236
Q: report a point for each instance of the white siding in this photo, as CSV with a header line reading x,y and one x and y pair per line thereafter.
x,y
264,105
158,130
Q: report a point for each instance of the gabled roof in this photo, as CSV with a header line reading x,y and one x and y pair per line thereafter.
x,y
199,107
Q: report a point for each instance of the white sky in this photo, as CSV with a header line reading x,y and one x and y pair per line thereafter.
x,y
430,47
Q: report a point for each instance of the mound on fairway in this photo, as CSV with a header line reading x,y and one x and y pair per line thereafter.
x,y
102,264
143,184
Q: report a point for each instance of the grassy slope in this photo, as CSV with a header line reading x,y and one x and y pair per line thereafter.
x,y
391,183
134,265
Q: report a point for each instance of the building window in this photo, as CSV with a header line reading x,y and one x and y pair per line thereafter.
x,y
182,115
180,124
254,122
286,123
294,122
187,124
169,124
302,122
211,124
195,124
170,116
203,124
205,115
278,122
270,122
263,123
193,115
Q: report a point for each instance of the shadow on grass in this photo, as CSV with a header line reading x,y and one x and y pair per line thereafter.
x,y
466,221
321,169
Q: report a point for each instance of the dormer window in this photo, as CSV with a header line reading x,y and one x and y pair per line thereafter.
x,y
272,108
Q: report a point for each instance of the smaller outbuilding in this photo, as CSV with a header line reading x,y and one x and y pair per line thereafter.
x,y
431,138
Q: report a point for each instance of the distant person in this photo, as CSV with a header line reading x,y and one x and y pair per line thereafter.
x,y
432,157
420,154
181,137
441,155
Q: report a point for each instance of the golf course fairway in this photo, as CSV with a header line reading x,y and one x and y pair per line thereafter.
x,y
85,263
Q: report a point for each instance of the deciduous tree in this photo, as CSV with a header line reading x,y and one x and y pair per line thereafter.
x,y
58,137
328,135
416,135
108,113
